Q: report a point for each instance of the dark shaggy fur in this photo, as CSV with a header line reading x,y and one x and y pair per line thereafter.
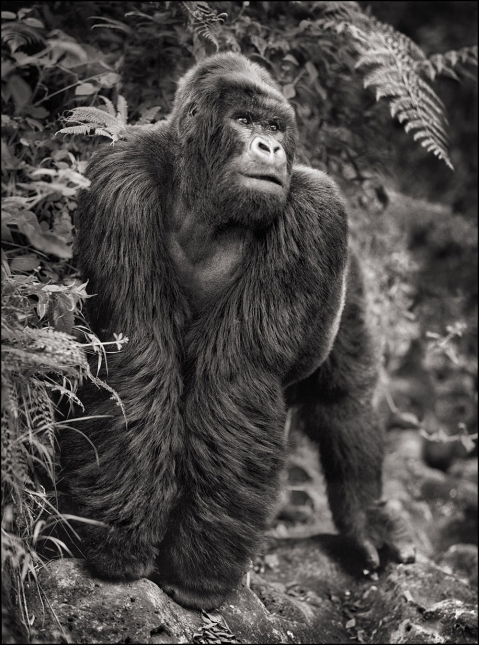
x,y
220,338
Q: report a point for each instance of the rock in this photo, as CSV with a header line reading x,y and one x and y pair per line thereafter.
x,y
89,610
416,603
83,609
461,560
308,585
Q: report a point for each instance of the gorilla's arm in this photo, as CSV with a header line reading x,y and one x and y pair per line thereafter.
x,y
117,473
335,408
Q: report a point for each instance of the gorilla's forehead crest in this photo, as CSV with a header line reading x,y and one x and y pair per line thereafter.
x,y
228,69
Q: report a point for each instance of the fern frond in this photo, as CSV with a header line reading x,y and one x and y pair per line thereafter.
x,y
109,106
395,64
104,133
449,63
203,19
39,412
77,129
349,11
395,60
148,116
14,468
108,123
122,107
17,34
93,115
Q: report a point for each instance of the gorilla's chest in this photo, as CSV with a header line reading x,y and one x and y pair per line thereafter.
x,y
206,268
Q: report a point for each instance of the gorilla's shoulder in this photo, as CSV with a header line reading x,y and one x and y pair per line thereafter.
x,y
148,146
315,189
159,133
309,179
160,128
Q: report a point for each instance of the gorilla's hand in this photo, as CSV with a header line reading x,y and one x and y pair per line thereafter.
x,y
384,528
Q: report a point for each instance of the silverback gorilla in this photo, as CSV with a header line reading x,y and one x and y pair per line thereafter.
x,y
227,266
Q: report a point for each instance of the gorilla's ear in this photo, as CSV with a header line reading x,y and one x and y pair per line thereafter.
x,y
192,109
186,116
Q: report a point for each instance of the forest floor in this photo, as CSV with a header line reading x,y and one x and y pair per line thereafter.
x,y
308,586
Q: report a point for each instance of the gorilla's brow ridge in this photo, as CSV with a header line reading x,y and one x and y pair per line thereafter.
x,y
257,97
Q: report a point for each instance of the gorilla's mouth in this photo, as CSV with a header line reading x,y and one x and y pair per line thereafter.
x,y
270,178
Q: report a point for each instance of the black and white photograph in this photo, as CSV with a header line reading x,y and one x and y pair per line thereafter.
x,y
239,322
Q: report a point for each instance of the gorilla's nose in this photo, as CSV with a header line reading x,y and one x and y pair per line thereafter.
x,y
268,151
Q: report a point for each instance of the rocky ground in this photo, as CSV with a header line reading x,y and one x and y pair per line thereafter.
x,y
308,585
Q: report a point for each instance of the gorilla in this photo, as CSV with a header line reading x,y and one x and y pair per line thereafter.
x,y
227,266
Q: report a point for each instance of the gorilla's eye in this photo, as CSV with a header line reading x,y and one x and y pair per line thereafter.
x,y
244,119
273,127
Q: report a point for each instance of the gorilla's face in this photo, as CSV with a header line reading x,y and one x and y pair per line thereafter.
x,y
237,141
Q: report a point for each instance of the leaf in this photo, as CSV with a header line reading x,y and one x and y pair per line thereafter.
x,y
149,114
108,107
60,312
25,263
312,71
21,91
33,22
304,24
260,44
468,442
289,91
85,89
109,79
396,69
27,224
122,107
19,34
292,59
37,112
9,161
42,304
76,54
115,24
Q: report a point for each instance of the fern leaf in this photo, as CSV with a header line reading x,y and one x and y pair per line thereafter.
x,y
395,61
203,20
109,106
107,123
75,129
427,89
149,114
379,57
122,107
92,114
350,11
17,34
418,124
39,411
449,63
104,133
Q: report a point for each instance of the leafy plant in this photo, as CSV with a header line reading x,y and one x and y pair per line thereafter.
x,y
38,362
204,20
21,29
397,68
106,122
